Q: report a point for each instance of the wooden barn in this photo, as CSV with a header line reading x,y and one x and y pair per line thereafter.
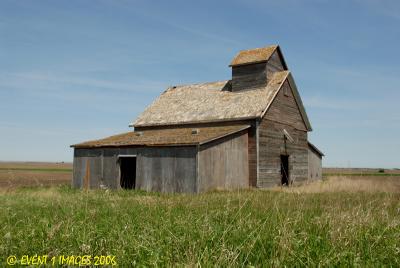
x,y
250,131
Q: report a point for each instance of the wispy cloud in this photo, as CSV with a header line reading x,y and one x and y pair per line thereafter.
x,y
204,34
25,80
55,131
161,18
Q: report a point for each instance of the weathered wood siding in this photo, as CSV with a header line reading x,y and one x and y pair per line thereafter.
x,y
84,159
252,142
111,172
167,169
224,164
284,109
256,75
104,166
282,114
314,165
249,76
274,64
252,151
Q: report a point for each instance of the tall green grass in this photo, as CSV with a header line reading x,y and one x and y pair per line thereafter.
x,y
243,228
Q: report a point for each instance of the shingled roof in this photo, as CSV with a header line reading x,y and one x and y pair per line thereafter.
x,y
165,137
255,55
211,102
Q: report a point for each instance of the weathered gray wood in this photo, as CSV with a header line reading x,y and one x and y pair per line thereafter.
x,y
249,76
256,75
314,165
252,151
167,169
282,114
274,64
224,164
284,109
82,158
111,172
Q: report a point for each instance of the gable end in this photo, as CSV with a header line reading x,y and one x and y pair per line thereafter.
x,y
288,108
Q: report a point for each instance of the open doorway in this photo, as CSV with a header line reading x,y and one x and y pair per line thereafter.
x,y
285,169
127,166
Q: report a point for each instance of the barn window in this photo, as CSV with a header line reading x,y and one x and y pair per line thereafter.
x,y
286,91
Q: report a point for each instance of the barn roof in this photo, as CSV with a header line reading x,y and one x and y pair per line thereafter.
x,y
315,149
252,56
165,137
213,102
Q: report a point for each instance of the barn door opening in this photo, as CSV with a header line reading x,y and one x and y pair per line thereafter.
x,y
127,171
285,169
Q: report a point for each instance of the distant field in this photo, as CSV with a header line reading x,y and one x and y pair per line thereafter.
x,y
340,221
26,174
36,165
361,171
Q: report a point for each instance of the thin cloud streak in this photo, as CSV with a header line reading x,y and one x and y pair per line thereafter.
x,y
178,26
25,79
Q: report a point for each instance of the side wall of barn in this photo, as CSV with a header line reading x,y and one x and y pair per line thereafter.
x,y
249,76
252,141
103,166
167,169
283,114
224,164
314,165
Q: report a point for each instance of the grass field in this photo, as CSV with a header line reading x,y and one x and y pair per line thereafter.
x,y
342,221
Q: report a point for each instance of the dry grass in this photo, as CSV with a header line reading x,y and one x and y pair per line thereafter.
x,y
368,184
219,229
340,221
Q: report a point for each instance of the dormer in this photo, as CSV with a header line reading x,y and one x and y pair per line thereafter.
x,y
254,67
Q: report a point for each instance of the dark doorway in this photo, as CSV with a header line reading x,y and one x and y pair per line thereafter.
x,y
285,169
128,172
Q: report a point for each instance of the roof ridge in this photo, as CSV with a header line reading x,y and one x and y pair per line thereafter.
x,y
201,83
250,49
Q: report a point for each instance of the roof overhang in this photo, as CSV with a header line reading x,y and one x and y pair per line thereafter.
x,y
315,149
164,137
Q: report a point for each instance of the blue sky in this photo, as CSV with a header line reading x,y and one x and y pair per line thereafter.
x,y
77,70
